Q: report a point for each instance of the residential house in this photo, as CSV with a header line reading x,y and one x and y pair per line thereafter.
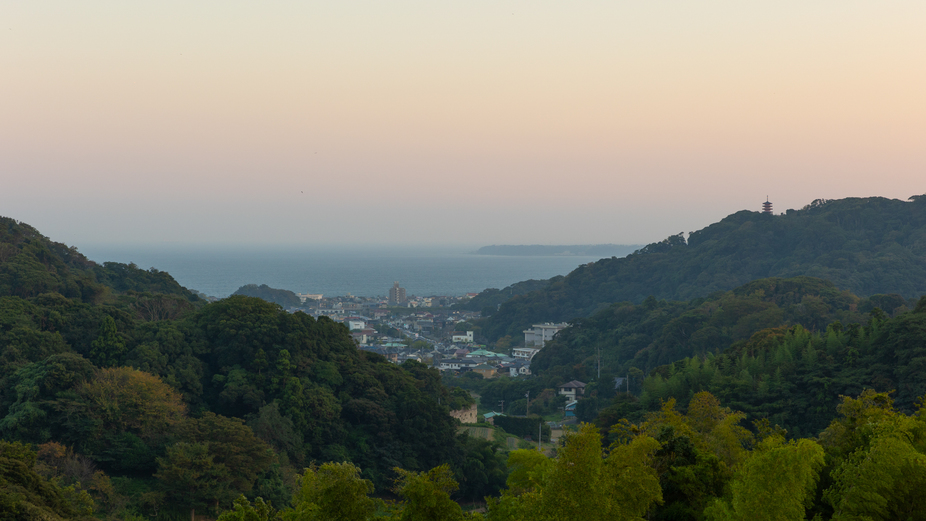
x,y
489,417
519,369
487,371
572,390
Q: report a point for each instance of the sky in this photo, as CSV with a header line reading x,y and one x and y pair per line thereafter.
x,y
422,122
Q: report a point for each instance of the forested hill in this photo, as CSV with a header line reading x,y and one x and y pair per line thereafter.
x,y
782,349
865,245
183,405
488,300
283,297
32,264
658,332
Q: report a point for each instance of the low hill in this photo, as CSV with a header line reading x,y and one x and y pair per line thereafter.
x,y
658,332
115,367
283,297
782,349
588,250
866,245
490,299
32,264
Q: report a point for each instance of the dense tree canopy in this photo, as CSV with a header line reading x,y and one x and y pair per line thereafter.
x,y
783,397
865,245
146,382
283,297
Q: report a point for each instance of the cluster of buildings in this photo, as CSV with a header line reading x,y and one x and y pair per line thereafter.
x,y
338,307
426,331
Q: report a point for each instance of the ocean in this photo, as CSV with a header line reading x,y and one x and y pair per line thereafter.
x,y
338,271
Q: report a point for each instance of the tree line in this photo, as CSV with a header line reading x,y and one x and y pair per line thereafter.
x,y
148,401
701,464
867,246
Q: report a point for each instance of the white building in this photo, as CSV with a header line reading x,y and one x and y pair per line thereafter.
x,y
355,325
457,365
462,338
525,353
540,334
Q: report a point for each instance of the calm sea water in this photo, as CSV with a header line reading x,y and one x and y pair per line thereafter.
x,y
333,271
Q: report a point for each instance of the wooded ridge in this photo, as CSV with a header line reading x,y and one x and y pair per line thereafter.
x,y
864,245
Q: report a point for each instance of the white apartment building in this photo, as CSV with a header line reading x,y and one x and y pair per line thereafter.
x,y
540,334
525,353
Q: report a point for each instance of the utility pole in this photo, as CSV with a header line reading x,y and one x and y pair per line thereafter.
x,y
501,404
528,411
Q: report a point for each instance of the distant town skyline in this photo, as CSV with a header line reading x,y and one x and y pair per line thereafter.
x,y
475,123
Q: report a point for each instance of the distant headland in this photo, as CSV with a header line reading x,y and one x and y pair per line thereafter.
x,y
576,250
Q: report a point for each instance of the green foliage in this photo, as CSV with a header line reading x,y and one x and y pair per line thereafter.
x,y
524,427
656,333
108,349
700,465
31,396
27,496
245,511
866,245
482,471
32,265
121,417
488,300
332,491
880,460
776,482
301,383
581,483
308,394
231,444
427,495
190,479
794,377
283,297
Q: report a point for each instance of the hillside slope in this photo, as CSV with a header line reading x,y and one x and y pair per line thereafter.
x,y
32,264
119,368
865,245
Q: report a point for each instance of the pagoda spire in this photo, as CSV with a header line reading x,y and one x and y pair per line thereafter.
x,y
767,206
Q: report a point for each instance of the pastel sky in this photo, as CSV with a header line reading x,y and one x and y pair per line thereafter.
x,y
476,122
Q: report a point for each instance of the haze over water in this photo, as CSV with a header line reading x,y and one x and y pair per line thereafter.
x,y
333,271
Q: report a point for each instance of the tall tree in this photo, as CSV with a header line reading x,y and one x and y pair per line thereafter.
x,y
191,480
333,491
108,349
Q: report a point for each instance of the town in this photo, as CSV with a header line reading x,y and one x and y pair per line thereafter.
x,y
428,330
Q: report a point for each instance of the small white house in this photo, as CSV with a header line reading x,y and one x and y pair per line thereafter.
x,y
355,325
462,338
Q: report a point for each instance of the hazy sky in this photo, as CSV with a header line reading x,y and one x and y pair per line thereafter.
x,y
472,122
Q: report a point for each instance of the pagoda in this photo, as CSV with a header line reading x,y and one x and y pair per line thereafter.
x,y
767,206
